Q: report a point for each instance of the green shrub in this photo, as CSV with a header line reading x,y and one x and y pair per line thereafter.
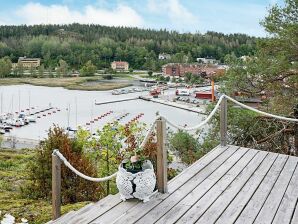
x,y
74,188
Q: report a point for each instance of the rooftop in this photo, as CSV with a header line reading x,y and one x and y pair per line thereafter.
x,y
228,185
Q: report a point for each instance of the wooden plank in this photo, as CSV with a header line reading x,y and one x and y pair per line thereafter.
x,y
56,187
295,215
236,206
188,191
96,210
115,213
187,174
238,177
269,209
253,207
193,169
161,156
63,217
205,166
72,214
288,204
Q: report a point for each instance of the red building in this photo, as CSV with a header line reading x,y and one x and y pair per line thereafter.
x,y
179,69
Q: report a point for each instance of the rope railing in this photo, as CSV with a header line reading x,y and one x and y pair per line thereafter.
x,y
160,124
66,163
261,112
198,126
148,134
150,130
94,179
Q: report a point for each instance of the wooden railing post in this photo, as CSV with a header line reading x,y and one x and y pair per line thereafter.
x,y
56,187
161,166
223,121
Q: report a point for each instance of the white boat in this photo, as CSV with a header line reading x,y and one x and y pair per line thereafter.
x,y
5,127
31,119
115,92
16,122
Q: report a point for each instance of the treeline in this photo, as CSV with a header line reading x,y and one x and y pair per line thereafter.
x,y
77,44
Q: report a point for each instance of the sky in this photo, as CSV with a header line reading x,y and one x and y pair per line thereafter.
x,y
226,16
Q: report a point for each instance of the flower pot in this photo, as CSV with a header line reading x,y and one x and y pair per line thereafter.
x,y
136,184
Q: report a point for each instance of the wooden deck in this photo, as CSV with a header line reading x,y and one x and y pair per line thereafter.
x,y
228,185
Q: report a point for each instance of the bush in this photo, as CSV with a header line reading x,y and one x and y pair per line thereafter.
x,y
185,146
74,188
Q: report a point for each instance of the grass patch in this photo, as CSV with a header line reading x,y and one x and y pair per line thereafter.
x,y
73,83
13,177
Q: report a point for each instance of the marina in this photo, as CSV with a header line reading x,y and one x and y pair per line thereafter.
x,y
92,110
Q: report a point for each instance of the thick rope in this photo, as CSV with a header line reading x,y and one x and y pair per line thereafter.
x,y
261,112
216,108
200,124
66,163
147,136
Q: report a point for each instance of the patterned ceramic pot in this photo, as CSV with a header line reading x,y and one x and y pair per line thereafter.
x,y
136,185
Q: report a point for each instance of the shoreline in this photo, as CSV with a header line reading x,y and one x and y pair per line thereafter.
x,y
70,83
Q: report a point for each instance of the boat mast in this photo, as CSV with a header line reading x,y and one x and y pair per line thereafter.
x,y
91,118
68,117
1,102
29,103
76,100
19,101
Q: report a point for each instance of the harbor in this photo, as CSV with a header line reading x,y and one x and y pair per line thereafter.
x,y
72,109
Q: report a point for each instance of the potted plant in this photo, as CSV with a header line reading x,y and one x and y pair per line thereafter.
x,y
136,177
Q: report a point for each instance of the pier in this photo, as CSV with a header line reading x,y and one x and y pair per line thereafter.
x,y
174,104
116,101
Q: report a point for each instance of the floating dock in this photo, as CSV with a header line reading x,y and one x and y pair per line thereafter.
x,y
173,104
116,101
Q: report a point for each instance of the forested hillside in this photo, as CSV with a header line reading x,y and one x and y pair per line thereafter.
x,y
76,44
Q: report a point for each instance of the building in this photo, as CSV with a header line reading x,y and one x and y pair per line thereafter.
x,y
29,62
208,60
180,69
120,65
164,56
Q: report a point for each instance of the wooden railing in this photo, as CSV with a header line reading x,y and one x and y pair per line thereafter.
x,y
161,169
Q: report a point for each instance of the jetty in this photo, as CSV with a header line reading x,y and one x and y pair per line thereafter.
x,y
230,184
174,104
116,101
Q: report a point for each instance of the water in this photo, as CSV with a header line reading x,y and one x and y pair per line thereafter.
x,y
82,108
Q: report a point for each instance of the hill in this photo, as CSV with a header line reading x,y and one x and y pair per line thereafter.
x,y
77,44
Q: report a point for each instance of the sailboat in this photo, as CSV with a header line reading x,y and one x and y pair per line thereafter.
x,y
30,117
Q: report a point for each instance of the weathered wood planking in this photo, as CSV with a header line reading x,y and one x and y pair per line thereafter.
x,y
228,185
217,157
253,207
288,204
193,215
115,213
188,197
237,205
96,210
271,205
233,189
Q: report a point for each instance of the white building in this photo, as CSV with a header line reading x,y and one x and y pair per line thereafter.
x,y
164,56
207,60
